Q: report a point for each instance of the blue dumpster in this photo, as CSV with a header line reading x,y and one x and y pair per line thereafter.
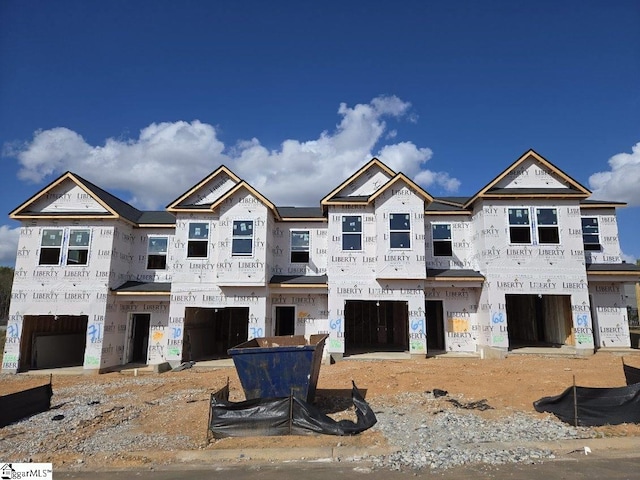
x,y
273,367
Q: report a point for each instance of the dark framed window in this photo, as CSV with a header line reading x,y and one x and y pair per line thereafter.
x,y
441,239
399,231
519,225
157,253
591,233
299,246
198,242
78,248
50,247
242,239
352,232
548,232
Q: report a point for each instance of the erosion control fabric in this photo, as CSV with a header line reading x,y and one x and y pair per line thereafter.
x,y
593,407
631,374
19,405
282,416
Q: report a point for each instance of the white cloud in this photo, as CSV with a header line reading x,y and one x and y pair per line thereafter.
x,y
168,158
621,182
8,244
628,258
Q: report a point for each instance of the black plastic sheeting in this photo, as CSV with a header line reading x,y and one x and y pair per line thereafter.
x,y
282,416
594,406
16,406
631,374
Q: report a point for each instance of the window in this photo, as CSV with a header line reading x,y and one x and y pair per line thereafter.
x,y
548,225
441,236
591,233
399,230
242,242
299,246
78,249
519,225
157,253
198,244
50,247
352,232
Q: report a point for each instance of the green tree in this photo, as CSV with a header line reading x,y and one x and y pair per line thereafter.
x,y
6,282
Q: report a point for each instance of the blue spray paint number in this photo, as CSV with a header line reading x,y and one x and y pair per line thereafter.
x,y
94,331
13,331
256,332
336,324
582,320
418,326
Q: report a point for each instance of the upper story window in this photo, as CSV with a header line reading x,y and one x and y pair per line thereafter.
x,y
441,237
399,230
198,243
50,247
78,248
299,246
352,232
548,225
591,233
157,253
519,225
242,241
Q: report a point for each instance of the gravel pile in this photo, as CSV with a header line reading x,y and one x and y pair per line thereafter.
x,y
429,433
85,420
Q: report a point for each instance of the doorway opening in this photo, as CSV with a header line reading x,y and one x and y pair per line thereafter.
x,y
435,325
285,320
138,337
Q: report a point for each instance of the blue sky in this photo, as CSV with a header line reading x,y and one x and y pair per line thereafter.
x,y
144,98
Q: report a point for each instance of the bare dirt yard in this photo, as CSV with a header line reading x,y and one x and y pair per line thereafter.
x,y
110,420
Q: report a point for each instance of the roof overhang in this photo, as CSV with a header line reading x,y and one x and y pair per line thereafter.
x,y
132,288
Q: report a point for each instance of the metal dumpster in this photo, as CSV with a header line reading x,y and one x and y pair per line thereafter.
x,y
272,367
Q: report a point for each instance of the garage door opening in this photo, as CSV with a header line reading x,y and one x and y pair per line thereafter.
x,y
539,320
376,326
210,332
53,341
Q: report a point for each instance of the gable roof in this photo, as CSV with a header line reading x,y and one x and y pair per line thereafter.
x,y
175,205
334,199
398,178
245,186
115,208
574,189
373,162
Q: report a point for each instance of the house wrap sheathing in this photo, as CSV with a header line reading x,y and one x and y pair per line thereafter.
x,y
529,260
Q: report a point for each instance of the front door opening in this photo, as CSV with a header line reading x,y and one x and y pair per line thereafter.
x,y
539,320
139,337
435,325
53,341
210,332
285,320
376,326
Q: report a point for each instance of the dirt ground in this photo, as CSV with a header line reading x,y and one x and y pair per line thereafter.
x,y
509,385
